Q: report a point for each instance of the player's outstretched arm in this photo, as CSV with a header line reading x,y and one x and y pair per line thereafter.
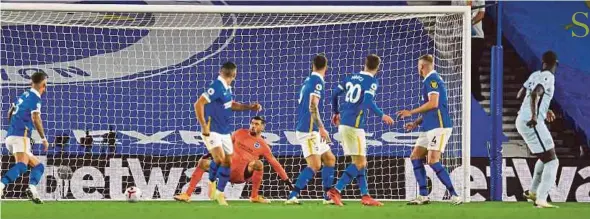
x,y
412,125
535,94
277,167
200,114
419,120
334,99
315,115
237,106
369,103
10,111
520,93
39,126
550,116
430,105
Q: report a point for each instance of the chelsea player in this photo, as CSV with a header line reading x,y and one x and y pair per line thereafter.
x,y
436,122
360,92
214,111
539,88
311,133
23,116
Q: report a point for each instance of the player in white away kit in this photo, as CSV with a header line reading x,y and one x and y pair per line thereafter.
x,y
437,127
535,107
24,115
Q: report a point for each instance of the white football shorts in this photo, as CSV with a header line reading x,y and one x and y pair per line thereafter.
x,y
311,143
354,141
538,139
16,144
435,139
219,140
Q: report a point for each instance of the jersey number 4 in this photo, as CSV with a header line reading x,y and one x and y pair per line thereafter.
x,y
353,93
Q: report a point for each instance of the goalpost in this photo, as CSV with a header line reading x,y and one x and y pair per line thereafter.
x,y
139,68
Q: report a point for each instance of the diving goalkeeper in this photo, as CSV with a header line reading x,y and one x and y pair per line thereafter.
x,y
246,166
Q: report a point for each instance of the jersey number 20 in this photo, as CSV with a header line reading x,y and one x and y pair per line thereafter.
x,y
353,93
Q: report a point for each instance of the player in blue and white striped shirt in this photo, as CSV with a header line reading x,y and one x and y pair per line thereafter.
x,y
214,112
24,115
436,122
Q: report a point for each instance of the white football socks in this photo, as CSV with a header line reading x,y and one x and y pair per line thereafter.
x,y
33,188
537,173
547,179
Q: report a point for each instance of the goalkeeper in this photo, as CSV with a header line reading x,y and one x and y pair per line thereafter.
x,y
246,165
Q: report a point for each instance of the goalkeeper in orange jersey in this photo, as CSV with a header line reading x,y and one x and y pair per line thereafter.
x,y
246,165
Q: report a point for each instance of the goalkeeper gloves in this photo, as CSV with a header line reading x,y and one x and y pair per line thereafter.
x,y
289,184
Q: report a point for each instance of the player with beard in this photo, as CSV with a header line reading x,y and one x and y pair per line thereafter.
x,y
246,166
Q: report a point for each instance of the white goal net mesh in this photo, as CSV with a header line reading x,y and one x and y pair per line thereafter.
x,y
137,75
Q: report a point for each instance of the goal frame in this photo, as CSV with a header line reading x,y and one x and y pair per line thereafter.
x,y
466,40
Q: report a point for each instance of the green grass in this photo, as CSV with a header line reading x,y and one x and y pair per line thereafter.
x,y
246,210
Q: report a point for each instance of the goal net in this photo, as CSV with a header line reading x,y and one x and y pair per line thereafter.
x,y
127,77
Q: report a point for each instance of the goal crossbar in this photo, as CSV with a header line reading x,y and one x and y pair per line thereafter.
x,y
233,9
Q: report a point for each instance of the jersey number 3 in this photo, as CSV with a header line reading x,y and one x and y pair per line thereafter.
x,y
353,93
20,101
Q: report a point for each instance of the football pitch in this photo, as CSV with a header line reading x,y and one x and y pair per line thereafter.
x,y
309,209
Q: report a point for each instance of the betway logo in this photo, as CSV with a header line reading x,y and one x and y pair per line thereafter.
x,y
132,171
118,174
520,170
193,137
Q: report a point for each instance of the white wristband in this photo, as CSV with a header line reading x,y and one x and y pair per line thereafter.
x,y
43,139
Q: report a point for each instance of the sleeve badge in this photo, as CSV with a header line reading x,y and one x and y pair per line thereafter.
x,y
433,84
318,87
